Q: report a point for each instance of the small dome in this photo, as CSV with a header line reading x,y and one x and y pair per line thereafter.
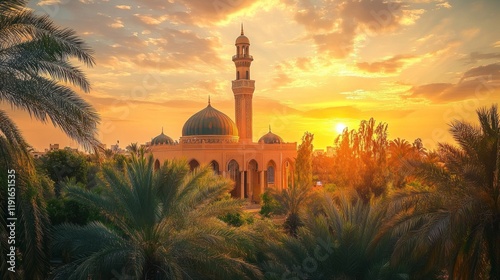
x,y
242,39
270,138
209,121
162,139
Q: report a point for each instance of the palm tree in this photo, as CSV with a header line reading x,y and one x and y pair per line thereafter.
x,y
459,222
133,148
400,152
160,225
34,60
36,76
290,202
335,243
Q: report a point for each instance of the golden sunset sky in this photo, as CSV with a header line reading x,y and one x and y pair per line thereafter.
x,y
416,65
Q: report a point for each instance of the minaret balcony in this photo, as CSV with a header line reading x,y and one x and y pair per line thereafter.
x,y
236,56
243,84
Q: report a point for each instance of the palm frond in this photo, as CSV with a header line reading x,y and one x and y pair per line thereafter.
x,y
14,144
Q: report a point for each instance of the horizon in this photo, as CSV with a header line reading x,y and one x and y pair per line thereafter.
x,y
416,66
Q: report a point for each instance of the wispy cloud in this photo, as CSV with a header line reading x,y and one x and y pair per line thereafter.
x,y
389,65
475,82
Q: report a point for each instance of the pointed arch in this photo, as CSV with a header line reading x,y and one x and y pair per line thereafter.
x,y
287,177
215,166
233,169
193,164
252,187
157,165
271,172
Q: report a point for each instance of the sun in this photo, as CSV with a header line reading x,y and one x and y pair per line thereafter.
x,y
340,128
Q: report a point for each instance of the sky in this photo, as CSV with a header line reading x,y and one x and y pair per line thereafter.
x,y
318,64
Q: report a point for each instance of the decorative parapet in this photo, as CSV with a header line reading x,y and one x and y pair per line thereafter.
x,y
244,84
242,56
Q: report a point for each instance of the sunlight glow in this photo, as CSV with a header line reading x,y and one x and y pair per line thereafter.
x,y
340,127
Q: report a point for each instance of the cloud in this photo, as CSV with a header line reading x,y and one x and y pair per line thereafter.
x,y
198,12
181,49
474,57
333,26
123,7
491,70
389,65
478,82
444,5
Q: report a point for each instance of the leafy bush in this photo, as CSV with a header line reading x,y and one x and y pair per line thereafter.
x,y
269,205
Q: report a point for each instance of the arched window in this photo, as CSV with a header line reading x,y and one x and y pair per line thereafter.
x,y
248,75
157,165
215,166
233,169
237,75
270,174
193,164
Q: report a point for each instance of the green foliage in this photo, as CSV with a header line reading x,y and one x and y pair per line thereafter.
x,y
335,243
237,219
291,201
456,225
62,165
269,205
35,60
36,68
161,223
303,162
65,210
120,161
32,224
360,161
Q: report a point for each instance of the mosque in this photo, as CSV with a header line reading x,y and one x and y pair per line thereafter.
x,y
211,137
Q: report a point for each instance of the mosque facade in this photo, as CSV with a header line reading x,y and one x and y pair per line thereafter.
x,y
211,137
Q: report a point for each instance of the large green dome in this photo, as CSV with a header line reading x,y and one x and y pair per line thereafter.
x,y
209,121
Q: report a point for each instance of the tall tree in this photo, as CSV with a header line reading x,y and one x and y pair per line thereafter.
x,y
36,76
361,160
303,162
456,226
35,68
400,154
293,198
161,225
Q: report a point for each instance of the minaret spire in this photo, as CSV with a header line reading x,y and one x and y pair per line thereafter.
x,y
243,87
209,99
269,128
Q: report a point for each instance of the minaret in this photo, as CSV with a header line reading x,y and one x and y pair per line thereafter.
x,y
243,88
